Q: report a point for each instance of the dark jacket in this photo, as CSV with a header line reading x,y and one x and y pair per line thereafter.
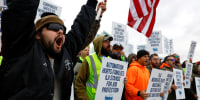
x,y
172,95
26,73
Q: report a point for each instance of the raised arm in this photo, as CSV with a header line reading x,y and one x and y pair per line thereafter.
x,y
18,31
76,37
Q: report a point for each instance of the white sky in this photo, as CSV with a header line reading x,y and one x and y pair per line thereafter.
x,y
176,19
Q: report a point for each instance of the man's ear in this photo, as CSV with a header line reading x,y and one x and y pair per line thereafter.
x,y
37,36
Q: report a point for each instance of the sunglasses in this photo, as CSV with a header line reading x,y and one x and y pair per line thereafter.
x,y
56,27
171,59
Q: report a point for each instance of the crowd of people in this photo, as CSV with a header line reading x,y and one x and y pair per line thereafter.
x,y
40,62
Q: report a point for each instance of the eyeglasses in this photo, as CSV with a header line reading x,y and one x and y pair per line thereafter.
x,y
171,59
176,56
56,27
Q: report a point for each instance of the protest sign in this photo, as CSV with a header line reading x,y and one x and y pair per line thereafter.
x,y
141,47
111,79
191,50
166,46
197,82
171,46
178,80
188,73
2,2
167,84
119,33
46,6
154,43
155,85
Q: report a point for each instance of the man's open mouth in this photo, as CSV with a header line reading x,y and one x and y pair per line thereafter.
x,y
59,41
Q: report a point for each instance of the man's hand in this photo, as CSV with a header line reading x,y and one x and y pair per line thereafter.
x,y
170,90
125,80
102,5
174,87
183,77
191,79
143,94
162,94
183,83
195,96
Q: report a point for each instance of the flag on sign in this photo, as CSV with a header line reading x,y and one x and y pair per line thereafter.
x,y
142,14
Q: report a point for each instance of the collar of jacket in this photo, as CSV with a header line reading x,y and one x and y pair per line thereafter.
x,y
135,63
164,64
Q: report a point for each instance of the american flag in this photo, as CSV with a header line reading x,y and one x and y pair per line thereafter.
x,y
142,15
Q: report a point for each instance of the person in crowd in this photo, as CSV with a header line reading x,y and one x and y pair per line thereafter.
x,y
132,57
154,62
1,58
178,64
168,64
117,51
38,58
83,54
85,82
196,73
138,77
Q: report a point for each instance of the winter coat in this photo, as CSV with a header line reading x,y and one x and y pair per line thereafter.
x,y
84,71
138,79
26,72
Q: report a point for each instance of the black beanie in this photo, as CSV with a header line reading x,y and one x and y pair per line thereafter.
x,y
142,53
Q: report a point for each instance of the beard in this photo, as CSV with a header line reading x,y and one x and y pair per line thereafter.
x,y
155,65
48,47
105,52
177,61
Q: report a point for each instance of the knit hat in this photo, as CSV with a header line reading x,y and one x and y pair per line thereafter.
x,y
142,53
48,19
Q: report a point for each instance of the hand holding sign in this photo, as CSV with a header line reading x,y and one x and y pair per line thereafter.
x,y
195,96
174,87
125,80
143,94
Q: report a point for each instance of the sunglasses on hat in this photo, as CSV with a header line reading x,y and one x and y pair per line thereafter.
x,y
56,27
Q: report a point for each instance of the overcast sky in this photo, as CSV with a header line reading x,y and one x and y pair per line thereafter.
x,y
176,19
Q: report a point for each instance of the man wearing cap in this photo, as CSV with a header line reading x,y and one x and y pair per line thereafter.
x,y
138,77
38,59
88,75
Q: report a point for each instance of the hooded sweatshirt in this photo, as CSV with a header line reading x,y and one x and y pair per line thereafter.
x,y
138,79
83,74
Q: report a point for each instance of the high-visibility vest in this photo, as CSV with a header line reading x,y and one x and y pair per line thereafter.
x,y
95,68
184,70
122,58
81,59
1,58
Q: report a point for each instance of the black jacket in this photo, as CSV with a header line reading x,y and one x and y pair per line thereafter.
x,y
26,72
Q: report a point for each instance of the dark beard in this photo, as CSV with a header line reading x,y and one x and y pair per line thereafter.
x,y
105,52
48,48
154,65
176,61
